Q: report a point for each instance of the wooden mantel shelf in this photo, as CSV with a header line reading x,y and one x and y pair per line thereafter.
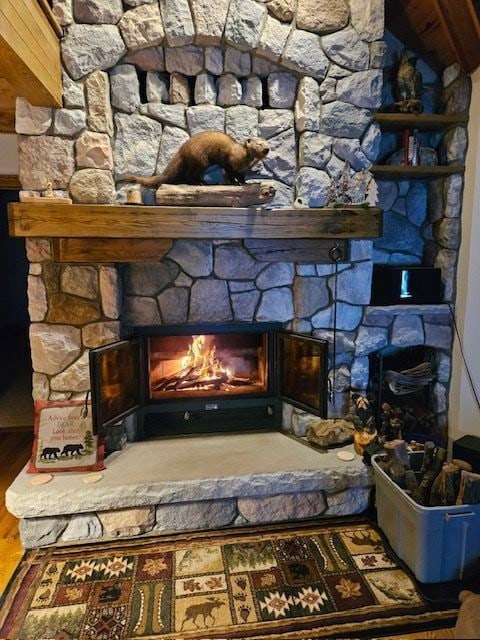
x,y
30,220
136,233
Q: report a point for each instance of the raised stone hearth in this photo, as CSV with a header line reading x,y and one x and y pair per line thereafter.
x,y
193,482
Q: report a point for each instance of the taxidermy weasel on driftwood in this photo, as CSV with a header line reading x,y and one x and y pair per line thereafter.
x,y
204,150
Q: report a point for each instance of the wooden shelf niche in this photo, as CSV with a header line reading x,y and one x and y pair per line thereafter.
x,y
420,121
418,172
424,122
132,233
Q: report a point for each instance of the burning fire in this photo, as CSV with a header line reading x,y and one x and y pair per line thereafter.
x,y
200,369
203,360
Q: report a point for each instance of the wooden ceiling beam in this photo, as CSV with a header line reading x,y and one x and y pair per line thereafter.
x,y
441,31
464,28
30,53
7,107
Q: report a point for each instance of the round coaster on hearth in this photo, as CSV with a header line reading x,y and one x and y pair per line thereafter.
x,y
347,456
42,478
92,477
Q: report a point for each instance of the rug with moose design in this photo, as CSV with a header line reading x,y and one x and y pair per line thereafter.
x,y
307,581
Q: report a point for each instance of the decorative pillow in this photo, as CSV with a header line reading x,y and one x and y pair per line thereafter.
x,y
63,438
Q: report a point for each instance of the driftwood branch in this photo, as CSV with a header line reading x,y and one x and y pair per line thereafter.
x,y
244,195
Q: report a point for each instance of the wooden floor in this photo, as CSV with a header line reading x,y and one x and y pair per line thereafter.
x,y
15,450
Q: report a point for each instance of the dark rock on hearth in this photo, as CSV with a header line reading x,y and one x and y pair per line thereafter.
x,y
326,433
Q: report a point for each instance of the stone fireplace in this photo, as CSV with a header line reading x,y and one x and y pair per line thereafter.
x,y
139,78
180,379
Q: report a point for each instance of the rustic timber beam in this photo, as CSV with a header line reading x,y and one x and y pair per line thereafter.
x,y
297,250
7,106
30,53
93,250
136,221
10,183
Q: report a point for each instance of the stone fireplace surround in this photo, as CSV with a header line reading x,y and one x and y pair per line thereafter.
x,y
309,86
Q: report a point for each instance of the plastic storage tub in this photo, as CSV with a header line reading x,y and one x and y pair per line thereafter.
x,y
437,543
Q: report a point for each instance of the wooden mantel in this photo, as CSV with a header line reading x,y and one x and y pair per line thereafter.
x,y
124,233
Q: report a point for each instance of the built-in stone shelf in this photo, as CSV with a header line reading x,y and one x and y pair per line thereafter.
x,y
194,482
408,310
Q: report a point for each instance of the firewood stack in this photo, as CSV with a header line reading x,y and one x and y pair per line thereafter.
x,y
438,482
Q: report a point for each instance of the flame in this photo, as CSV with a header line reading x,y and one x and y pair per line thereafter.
x,y
202,356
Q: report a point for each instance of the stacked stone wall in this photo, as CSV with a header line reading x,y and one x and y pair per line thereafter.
x,y
139,79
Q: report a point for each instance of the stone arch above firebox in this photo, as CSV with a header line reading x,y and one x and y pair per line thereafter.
x,y
138,81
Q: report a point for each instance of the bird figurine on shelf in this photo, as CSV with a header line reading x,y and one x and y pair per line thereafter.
x,y
409,87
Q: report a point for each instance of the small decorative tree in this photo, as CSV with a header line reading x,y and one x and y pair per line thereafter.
x,y
88,442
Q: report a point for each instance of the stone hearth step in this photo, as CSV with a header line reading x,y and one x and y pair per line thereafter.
x,y
191,482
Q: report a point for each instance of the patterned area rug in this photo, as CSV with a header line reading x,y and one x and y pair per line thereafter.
x,y
327,580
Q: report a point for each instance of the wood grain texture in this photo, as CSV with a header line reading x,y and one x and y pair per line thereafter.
x,y
246,195
96,250
421,26
136,221
30,53
463,25
15,449
422,122
419,172
7,106
51,17
10,182
442,31
296,250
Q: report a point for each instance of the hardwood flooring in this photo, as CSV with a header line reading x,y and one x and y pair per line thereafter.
x,y
15,450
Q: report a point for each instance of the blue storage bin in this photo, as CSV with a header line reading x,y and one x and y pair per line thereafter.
x,y
437,543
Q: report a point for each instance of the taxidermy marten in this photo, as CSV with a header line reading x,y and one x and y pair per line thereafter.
x,y
203,150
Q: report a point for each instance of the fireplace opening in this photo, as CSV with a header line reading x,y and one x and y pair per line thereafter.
x,y
205,378
401,381
207,365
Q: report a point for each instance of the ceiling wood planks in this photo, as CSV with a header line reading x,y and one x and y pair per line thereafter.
x,y
30,52
442,31
7,107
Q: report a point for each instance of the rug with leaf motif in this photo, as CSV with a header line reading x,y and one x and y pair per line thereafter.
x,y
322,580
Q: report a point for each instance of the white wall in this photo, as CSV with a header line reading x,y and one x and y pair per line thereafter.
x,y
464,415
8,154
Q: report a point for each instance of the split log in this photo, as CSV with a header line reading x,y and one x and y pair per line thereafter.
x,y
445,486
397,452
411,483
469,492
463,465
428,456
245,195
423,494
397,474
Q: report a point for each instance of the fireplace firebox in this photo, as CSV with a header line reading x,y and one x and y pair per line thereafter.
x,y
204,378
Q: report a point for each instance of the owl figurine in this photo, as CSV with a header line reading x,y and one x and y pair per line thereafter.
x,y
409,86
